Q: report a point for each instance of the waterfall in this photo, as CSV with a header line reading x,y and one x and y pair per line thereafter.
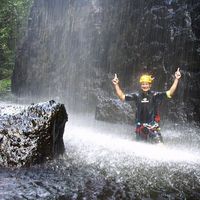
x,y
73,48
70,53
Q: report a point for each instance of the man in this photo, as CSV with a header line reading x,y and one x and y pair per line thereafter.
x,y
147,103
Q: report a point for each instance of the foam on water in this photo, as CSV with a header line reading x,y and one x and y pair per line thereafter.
x,y
97,142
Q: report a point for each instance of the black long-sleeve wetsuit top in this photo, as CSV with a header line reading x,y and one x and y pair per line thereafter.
x,y
147,104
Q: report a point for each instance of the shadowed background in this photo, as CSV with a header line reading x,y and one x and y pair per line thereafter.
x,y
72,49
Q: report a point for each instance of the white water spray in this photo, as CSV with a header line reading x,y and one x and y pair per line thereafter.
x,y
99,142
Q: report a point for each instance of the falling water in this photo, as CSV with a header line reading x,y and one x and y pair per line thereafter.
x,y
73,48
70,53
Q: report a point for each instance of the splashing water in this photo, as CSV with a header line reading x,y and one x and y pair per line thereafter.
x,y
101,138
103,161
143,168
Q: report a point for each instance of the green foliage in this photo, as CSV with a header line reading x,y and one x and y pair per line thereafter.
x,y
5,73
13,17
5,85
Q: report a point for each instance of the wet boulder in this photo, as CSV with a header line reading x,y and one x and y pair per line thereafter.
x,y
115,111
32,135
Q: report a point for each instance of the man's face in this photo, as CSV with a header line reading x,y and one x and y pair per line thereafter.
x,y
145,87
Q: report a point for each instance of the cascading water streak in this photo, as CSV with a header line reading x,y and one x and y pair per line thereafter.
x,y
70,51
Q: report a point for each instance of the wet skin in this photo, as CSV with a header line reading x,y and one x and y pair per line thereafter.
x,y
145,87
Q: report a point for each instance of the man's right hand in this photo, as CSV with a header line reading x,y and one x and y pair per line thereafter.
x,y
118,90
115,80
178,74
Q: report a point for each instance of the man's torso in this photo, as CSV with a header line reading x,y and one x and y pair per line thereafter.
x,y
147,105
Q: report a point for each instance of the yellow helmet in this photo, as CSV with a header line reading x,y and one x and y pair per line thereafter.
x,y
146,79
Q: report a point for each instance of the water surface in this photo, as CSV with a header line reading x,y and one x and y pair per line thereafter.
x,y
103,161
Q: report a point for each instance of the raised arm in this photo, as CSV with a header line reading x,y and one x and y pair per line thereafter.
x,y
171,91
118,90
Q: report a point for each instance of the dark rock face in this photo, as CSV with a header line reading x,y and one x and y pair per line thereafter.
x,y
33,135
73,48
115,111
